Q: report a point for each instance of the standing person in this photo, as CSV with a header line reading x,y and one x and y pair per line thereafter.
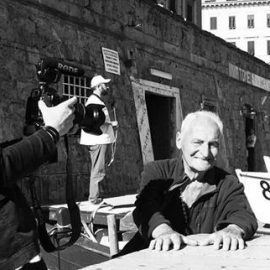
x,y
250,143
190,201
98,140
19,246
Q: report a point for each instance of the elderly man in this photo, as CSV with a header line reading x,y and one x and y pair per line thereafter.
x,y
189,200
98,139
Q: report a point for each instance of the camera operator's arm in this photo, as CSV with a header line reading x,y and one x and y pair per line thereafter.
x,y
27,155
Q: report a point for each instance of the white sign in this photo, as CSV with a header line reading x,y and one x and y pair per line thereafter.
x,y
248,77
111,61
257,190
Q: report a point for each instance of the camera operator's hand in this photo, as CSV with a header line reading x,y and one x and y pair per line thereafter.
x,y
59,117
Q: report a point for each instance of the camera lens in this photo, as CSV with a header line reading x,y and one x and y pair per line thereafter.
x,y
89,118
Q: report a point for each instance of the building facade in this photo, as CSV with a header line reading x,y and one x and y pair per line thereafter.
x,y
161,67
190,10
243,23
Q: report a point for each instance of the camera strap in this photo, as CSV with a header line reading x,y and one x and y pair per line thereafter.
x,y
50,241
113,145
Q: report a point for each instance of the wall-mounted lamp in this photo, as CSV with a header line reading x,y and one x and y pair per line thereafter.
x,y
161,74
130,57
247,111
209,104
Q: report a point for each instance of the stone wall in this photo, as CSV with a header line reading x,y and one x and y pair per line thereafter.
x,y
145,36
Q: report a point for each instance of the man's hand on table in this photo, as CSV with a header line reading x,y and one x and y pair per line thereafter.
x,y
229,238
166,238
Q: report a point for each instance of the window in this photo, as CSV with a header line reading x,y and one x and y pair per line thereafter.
x,y
251,47
189,13
213,23
268,47
161,3
172,5
76,86
231,22
168,4
250,21
268,20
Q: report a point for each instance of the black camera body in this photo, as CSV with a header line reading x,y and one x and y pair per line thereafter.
x,y
49,70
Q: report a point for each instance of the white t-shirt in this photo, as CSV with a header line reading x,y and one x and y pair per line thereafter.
x,y
107,135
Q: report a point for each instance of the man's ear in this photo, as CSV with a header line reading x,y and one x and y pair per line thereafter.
x,y
178,140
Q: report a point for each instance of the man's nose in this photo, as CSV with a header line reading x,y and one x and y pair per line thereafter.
x,y
205,150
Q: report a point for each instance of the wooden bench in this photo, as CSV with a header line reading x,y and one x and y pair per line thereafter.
x,y
108,221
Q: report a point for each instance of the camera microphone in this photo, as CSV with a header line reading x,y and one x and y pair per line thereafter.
x,y
49,70
63,67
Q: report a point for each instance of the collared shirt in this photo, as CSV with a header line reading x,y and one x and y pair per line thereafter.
x,y
194,191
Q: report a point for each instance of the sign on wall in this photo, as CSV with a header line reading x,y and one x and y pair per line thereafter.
x,y
248,77
111,61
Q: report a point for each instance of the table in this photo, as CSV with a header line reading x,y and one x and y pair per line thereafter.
x,y
256,256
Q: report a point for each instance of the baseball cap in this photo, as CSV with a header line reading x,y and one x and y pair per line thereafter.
x,y
98,79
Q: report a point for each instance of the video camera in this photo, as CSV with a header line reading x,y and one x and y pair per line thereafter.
x,y
49,70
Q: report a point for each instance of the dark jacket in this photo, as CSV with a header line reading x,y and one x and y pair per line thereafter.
x,y
18,235
158,202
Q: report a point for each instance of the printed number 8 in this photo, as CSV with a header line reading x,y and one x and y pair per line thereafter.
x,y
266,189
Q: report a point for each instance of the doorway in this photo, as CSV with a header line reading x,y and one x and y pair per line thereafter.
x,y
161,116
251,137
